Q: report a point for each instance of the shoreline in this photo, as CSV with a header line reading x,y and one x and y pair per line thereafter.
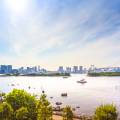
x,y
75,116
38,75
106,74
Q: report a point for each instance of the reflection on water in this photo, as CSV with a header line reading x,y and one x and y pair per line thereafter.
x,y
97,90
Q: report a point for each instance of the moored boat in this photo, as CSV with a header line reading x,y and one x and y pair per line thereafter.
x,y
82,81
64,94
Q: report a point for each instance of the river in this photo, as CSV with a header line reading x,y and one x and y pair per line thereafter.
x,y
97,90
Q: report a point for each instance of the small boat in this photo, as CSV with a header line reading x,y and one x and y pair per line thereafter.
x,y
65,77
51,97
12,84
64,94
77,106
82,81
58,103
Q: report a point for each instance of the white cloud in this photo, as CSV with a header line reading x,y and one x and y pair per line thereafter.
x,y
76,30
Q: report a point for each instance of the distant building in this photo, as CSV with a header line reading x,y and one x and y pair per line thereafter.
x,y
61,69
75,69
5,69
15,71
68,69
80,69
38,68
21,70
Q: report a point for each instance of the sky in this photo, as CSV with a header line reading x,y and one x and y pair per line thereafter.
x,y
51,33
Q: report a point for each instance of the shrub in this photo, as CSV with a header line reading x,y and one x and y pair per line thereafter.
x,y
6,111
22,114
67,113
44,109
106,112
20,98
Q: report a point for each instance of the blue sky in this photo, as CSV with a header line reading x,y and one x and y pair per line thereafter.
x,y
60,32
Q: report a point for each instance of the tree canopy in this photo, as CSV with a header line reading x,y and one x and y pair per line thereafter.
x,y
106,112
6,111
44,109
22,114
20,98
67,113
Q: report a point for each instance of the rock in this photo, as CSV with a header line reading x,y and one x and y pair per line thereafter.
x,y
57,108
73,109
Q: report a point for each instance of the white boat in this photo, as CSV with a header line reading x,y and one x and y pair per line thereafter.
x,y
82,81
65,76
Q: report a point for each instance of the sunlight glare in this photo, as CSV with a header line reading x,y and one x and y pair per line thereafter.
x,y
17,6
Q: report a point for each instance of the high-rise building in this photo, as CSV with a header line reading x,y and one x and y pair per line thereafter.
x,y
68,69
21,70
75,69
39,68
80,69
9,68
61,69
5,69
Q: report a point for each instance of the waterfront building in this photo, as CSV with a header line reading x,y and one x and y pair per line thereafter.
x,y
80,69
61,69
5,69
75,69
15,71
21,70
38,68
68,70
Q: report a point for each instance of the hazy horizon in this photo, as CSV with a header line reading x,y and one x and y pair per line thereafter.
x,y
52,33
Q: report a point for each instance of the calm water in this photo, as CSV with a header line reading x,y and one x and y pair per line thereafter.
x,y
97,90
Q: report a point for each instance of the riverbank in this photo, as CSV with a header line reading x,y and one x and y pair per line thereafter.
x,y
58,116
38,75
93,74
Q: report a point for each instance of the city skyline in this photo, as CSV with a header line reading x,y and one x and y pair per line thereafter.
x,y
56,33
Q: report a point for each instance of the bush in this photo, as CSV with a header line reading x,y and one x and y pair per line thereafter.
x,y
106,112
6,111
20,98
22,114
44,109
2,96
67,113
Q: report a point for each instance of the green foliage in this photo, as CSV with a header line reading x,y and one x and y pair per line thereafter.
x,y
20,98
106,112
6,111
104,74
67,113
2,96
22,114
44,109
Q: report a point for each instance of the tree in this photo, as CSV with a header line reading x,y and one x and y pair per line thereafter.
x,y
67,113
22,114
6,111
20,98
2,96
106,112
44,109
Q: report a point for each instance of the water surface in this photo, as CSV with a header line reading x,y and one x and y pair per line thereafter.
x,y
97,90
